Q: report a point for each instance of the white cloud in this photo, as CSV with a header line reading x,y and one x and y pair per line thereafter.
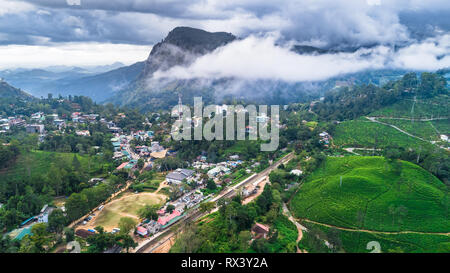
x,y
70,54
12,7
259,58
73,2
432,54
343,22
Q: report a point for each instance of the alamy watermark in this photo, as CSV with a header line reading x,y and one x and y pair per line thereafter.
x,y
234,118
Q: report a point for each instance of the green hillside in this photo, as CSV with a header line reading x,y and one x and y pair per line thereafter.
x,y
375,195
363,133
36,163
423,108
9,92
357,242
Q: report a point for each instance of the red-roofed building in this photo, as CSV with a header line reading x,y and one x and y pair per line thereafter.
x,y
142,231
260,230
122,165
164,220
161,212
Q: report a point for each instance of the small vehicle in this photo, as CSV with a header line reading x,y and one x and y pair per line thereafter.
x,y
92,230
115,230
101,207
84,222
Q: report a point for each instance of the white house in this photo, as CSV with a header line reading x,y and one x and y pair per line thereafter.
x,y
45,212
296,172
219,169
35,129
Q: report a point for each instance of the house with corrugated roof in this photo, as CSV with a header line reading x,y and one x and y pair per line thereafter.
x,y
177,176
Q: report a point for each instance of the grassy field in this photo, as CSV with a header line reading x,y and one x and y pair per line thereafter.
x,y
37,163
423,108
150,185
359,133
422,129
443,126
375,195
126,206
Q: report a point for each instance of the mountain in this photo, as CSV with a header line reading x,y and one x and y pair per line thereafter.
x,y
99,87
75,80
304,49
181,47
9,92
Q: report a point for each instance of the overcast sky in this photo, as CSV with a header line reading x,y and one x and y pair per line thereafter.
x,y
39,33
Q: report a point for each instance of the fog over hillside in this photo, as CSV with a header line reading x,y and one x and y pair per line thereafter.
x,y
288,47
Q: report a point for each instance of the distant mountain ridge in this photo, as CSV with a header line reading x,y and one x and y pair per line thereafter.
x,y
135,86
74,81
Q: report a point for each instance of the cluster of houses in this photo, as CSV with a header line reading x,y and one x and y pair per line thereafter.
x,y
166,218
188,200
78,117
82,133
122,149
127,165
217,170
36,122
325,138
7,123
119,143
143,135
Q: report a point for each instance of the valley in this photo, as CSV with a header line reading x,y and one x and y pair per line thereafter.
x,y
88,158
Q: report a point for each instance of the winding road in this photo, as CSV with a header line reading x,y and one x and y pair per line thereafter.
x,y
375,231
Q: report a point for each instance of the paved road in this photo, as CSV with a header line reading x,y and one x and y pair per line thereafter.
x,y
373,119
352,150
414,119
155,241
376,231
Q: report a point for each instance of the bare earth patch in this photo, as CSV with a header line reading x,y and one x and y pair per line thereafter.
x,y
126,206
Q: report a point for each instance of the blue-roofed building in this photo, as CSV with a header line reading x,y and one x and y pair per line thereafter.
x,y
29,220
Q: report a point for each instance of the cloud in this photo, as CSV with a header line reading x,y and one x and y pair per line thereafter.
x,y
334,23
73,2
262,58
432,54
70,54
324,23
14,7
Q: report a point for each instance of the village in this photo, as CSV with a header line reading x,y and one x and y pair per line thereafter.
x,y
200,181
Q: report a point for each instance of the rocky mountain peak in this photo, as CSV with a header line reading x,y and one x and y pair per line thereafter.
x,y
182,46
